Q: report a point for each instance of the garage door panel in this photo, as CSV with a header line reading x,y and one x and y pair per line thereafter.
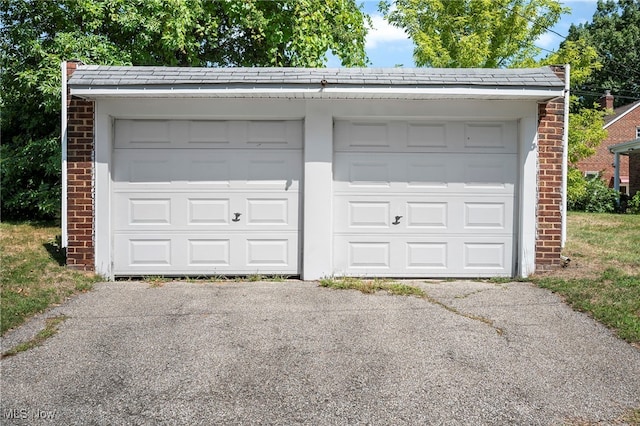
x,y
485,135
437,199
207,168
433,256
411,213
203,171
425,136
372,214
149,133
208,211
148,171
267,252
427,214
148,251
205,253
489,171
425,173
484,255
143,211
149,211
206,197
267,211
199,134
423,255
485,215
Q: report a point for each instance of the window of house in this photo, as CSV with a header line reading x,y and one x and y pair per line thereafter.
x,y
591,175
638,132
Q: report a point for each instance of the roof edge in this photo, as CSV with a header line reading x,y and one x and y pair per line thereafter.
x,y
625,147
313,92
633,106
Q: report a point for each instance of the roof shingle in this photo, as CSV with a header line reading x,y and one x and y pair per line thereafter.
x,y
112,76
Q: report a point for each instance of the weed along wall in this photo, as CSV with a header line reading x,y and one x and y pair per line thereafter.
x,y
314,172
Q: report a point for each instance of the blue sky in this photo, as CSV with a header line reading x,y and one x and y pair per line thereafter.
x,y
388,46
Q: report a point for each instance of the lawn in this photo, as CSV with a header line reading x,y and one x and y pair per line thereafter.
x,y
31,273
603,277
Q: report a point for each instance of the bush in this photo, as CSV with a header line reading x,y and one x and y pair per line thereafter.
x,y
633,204
576,189
589,194
30,182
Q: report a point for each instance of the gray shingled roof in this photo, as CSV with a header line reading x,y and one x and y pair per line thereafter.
x,y
130,77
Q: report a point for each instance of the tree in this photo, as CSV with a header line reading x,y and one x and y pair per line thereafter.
x,y
615,33
473,33
30,100
586,130
585,122
36,35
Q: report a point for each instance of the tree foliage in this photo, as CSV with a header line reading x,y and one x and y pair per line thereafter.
x,y
36,35
589,194
585,133
473,33
614,32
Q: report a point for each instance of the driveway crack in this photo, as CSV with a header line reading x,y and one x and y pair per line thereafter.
x,y
456,311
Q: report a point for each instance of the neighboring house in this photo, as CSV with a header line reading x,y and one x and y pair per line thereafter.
x,y
622,126
313,172
631,151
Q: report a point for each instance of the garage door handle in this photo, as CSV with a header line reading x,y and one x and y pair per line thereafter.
x,y
397,222
236,217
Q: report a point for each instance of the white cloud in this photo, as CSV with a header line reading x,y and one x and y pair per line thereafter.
x,y
548,40
383,32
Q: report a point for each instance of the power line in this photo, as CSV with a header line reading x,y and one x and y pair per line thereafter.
x,y
584,92
564,38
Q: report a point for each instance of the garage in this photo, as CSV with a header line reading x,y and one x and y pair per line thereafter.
x,y
424,198
206,197
414,173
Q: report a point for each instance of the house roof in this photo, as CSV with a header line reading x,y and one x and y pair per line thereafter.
x,y
619,112
625,147
96,80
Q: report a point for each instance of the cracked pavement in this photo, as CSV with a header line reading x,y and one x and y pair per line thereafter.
x,y
294,353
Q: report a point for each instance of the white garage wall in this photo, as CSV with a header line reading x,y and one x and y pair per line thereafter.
x,y
318,154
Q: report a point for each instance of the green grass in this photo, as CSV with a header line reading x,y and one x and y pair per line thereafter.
x,y
371,286
603,278
598,241
613,299
50,329
32,275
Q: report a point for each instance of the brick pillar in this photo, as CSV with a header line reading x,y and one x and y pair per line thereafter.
x,y
549,209
634,173
80,154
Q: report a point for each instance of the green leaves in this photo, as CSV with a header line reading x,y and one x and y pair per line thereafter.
x,y
36,36
585,133
473,33
614,32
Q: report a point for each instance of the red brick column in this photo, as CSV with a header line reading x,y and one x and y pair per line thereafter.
x,y
549,209
634,173
80,154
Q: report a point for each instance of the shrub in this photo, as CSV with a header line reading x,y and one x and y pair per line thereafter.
x,y
576,189
589,194
633,204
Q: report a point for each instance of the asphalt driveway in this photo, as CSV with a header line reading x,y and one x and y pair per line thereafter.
x,y
294,353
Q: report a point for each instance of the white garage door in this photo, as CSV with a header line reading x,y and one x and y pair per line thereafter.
x,y
206,197
424,199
